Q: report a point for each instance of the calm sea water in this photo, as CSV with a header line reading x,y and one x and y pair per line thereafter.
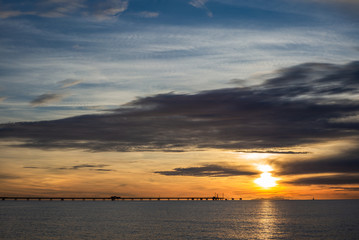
x,y
179,220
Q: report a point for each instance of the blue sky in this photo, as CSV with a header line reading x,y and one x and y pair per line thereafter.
x,y
179,97
63,58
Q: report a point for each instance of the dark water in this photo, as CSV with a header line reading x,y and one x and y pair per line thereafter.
x,y
179,220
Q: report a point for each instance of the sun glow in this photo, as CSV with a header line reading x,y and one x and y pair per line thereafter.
x,y
266,180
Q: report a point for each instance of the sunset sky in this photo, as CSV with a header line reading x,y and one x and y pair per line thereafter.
x,y
252,99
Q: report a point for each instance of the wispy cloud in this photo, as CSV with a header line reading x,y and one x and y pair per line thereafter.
x,y
201,4
62,8
10,13
43,8
33,167
69,82
210,170
46,98
273,152
5,176
2,99
95,167
58,8
147,14
348,3
347,7
239,82
354,189
109,8
92,167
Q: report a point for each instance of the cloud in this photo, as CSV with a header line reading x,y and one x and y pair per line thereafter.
x,y
296,107
5,176
62,8
344,3
46,99
43,8
69,83
103,170
198,3
10,13
348,7
353,189
273,152
76,167
2,99
210,170
355,2
109,8
93,167
202,5
335,167
344,162
327,180
33,167
146,14
237,81
59,8
311,79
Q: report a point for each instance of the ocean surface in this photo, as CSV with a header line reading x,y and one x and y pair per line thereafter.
x,y
262,219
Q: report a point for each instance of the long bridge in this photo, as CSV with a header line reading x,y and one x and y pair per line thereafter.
x,y
115,198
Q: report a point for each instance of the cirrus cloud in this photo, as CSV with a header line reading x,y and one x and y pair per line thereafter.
x,y
69,82
61,8
202,5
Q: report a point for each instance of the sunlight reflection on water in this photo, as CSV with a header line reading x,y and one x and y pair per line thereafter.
x,y
267,220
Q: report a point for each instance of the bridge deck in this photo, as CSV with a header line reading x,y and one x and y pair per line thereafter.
x,y
114,198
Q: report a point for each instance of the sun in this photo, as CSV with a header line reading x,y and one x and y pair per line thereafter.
x,y
266,180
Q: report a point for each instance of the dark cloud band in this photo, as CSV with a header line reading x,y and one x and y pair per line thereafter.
x,y
327,180
211,170
299,106
343,162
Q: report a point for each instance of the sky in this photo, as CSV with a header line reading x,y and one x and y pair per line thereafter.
x,y
174,98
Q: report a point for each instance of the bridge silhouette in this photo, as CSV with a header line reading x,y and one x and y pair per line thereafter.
x,y
116,198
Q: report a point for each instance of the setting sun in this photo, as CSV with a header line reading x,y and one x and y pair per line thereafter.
x,y
266,180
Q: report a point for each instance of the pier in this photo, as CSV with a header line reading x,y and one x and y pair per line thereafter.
x,y
116,198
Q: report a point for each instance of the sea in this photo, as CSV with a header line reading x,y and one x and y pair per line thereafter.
x,y
252,219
